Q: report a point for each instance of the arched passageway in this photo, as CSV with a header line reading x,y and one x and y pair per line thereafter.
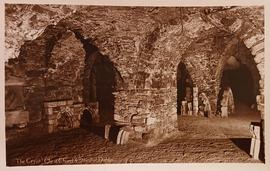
x,y
184,88
238,89
101,86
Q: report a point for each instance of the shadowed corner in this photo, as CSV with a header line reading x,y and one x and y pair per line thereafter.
x,y
98,129
244,145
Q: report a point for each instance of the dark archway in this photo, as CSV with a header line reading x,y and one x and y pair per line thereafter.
x,y
184,86
100,80
240,79
102,85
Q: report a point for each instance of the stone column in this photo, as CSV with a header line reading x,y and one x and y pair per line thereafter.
x,y
184,108
195,101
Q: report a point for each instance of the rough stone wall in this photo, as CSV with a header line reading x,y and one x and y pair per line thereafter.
x,y
64,76
150,113
61,115
145,45
27,22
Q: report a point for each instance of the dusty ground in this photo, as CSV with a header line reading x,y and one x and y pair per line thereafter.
x,y
198,140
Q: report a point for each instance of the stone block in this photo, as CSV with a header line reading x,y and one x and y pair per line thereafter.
x,y
21,125
69,102
174,117
122,137
150,120
253,40
257,48
260,67
224,111
255,141
48,111
236,25
107,131
184,108
119,136
139,128
132,110
76,124
195,90
138,120
62,103
16,117
259,58
260,107
118,118
261,83
50,128
50,104
51,122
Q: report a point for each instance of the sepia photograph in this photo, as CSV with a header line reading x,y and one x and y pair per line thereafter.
x,y
126,84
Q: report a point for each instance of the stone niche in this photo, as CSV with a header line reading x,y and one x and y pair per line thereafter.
x,y
62,115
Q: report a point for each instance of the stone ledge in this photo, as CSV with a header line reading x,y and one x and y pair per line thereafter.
x,y
16,117
58,103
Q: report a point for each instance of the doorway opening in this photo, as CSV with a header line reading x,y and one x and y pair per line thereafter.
x,y
239,87
184,88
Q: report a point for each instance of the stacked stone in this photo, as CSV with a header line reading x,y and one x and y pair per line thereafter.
x,y
151,113
54,110
260,100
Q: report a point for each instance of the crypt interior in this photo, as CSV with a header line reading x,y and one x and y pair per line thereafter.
x,y
104,84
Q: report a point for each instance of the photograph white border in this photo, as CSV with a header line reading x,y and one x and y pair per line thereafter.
x,y
118,167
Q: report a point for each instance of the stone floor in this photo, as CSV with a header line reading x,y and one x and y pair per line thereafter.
x,y
198,140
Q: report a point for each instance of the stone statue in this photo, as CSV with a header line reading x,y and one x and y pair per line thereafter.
x,y
227,102
204,106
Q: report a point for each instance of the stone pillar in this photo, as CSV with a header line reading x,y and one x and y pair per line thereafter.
x,y
184,108
189,106
107,131
224,104
195,101
255,141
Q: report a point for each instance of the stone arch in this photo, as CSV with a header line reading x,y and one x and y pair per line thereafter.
x,y
202,56
184,87
64,120
51,61
238,50
100,80
34,58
